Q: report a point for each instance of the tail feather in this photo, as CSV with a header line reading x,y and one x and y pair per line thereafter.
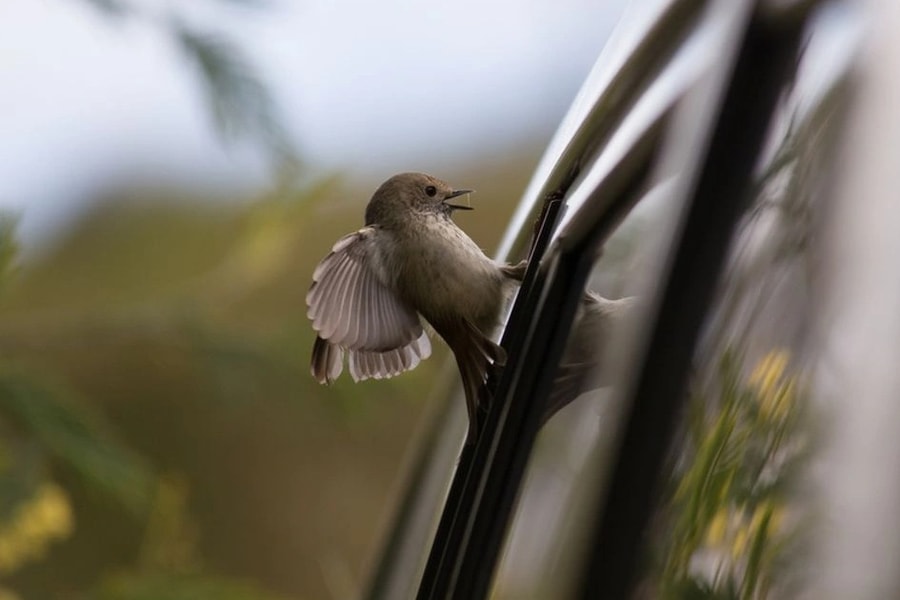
x,y
494,352
474,354
327,361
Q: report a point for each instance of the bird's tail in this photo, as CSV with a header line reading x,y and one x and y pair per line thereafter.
x,y
327,361
474,354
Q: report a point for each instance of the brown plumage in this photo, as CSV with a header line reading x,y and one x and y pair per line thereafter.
x,y
409,262
584,364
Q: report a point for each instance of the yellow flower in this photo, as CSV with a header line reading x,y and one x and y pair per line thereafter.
x,y
715,531
775,392
776,521
45,517
778,405
9,558
739,545
7,594
54,511
760,513
768,371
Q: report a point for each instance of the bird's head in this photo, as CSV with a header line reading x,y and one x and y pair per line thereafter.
x,y
409,194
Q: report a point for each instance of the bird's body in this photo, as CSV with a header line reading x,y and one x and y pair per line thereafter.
x,y
410,260
584,362
469,285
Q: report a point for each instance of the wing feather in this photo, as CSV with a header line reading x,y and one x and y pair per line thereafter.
x,y
353,311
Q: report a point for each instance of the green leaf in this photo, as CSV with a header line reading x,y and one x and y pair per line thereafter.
x,y
9,247
24,468
78,438
756,557
240,102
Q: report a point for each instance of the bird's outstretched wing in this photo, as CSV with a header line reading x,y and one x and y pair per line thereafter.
x,y
353,310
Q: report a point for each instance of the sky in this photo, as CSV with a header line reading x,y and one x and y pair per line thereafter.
x,y
91,102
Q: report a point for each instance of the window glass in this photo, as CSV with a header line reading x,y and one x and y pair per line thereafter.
x,y
733,515
550,512
730,520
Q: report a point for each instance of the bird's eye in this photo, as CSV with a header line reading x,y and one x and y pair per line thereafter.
x,y
431,190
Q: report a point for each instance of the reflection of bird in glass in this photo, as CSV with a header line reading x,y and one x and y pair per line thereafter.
x,y
409,260
583,364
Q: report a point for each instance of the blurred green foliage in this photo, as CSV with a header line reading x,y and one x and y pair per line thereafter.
x,y
176,587
731,527
137,294
147,282
239,101
73,434
160,436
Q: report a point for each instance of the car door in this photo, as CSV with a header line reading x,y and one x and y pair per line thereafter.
x,y
689,175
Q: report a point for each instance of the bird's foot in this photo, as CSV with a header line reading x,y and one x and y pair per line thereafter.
x,y
516,271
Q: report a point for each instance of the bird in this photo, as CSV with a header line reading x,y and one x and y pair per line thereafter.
x,y
409,267
584,364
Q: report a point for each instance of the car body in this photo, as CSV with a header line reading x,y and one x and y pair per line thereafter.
x,y
702,169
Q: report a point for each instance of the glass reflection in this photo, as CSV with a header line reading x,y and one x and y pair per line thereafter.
x,y
732,521
583,366
579,414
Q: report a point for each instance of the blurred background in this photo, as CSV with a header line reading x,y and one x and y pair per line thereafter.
x,y
170,173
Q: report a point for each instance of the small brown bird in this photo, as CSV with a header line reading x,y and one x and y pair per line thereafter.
x,y
409,262
583,365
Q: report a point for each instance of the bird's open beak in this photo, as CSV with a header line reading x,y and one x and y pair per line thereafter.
x,y
454,194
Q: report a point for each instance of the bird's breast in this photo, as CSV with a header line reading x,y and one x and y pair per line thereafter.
x,y
447,276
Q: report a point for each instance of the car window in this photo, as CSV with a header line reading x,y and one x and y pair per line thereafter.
x,y
552,509
729,519
666,310
735,513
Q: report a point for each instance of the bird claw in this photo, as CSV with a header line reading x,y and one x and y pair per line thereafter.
x,y
516,271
